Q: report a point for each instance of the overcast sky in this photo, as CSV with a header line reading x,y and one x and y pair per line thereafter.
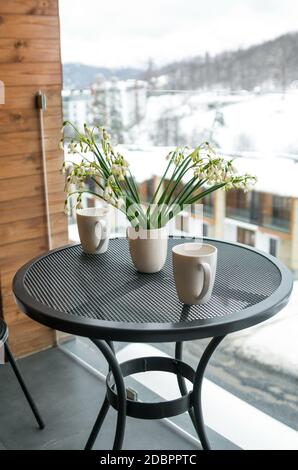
x,y
117,33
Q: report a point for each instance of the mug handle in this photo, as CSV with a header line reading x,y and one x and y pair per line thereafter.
x,y
102,226
207,279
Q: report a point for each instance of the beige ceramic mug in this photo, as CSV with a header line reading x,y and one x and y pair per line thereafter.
x,y
94,229
194,266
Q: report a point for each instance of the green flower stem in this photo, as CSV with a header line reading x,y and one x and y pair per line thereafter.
x,y
183,197
131,189
161,181
183,169
74,127
149,218
101,161
188,190
97,182
177,182
177,170
133,183
172,178
205,193
130,197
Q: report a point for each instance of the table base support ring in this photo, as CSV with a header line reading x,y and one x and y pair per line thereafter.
x,y
159,410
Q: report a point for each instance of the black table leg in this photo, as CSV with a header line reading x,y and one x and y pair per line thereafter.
x,y
197,390
181,381
98,423
101,415
110,356
23,386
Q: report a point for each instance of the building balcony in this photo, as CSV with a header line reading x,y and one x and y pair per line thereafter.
x,y
239,214
275,223
270,222
208,210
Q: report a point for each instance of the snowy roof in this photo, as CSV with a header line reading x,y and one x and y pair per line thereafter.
x,y
274,175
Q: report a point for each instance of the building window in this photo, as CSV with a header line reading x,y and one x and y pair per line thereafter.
x,y
281,211
208,205
273,246
182,223
244,206
245,236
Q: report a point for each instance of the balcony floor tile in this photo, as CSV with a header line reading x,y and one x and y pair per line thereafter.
x,y
68,397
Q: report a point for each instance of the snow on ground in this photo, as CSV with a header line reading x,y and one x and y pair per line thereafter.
x,y
264,123
272,343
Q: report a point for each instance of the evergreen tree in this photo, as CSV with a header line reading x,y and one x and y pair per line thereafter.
x,y
115,112
99,106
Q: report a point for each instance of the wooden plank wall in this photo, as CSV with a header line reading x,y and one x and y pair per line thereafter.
x,y
29,61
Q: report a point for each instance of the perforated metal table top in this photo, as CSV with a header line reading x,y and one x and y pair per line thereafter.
x,y
103,296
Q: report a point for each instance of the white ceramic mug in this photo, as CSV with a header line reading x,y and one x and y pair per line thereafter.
x,y
94,229
194,266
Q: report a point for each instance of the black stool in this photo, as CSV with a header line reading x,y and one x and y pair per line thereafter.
x,y
10,358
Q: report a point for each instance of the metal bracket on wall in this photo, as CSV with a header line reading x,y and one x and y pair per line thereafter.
x,y
41,105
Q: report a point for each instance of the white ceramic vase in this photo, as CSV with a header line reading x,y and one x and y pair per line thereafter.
x,y
148,248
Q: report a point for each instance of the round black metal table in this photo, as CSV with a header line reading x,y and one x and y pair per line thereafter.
x,y
104,298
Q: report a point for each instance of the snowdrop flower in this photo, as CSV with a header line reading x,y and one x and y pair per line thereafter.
x,y
216,170
195,155
72,147
198,173
169,156
63,169
64,124
108,193
120,203
104,135
119,167
116,170
178,155
66,207
178,158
